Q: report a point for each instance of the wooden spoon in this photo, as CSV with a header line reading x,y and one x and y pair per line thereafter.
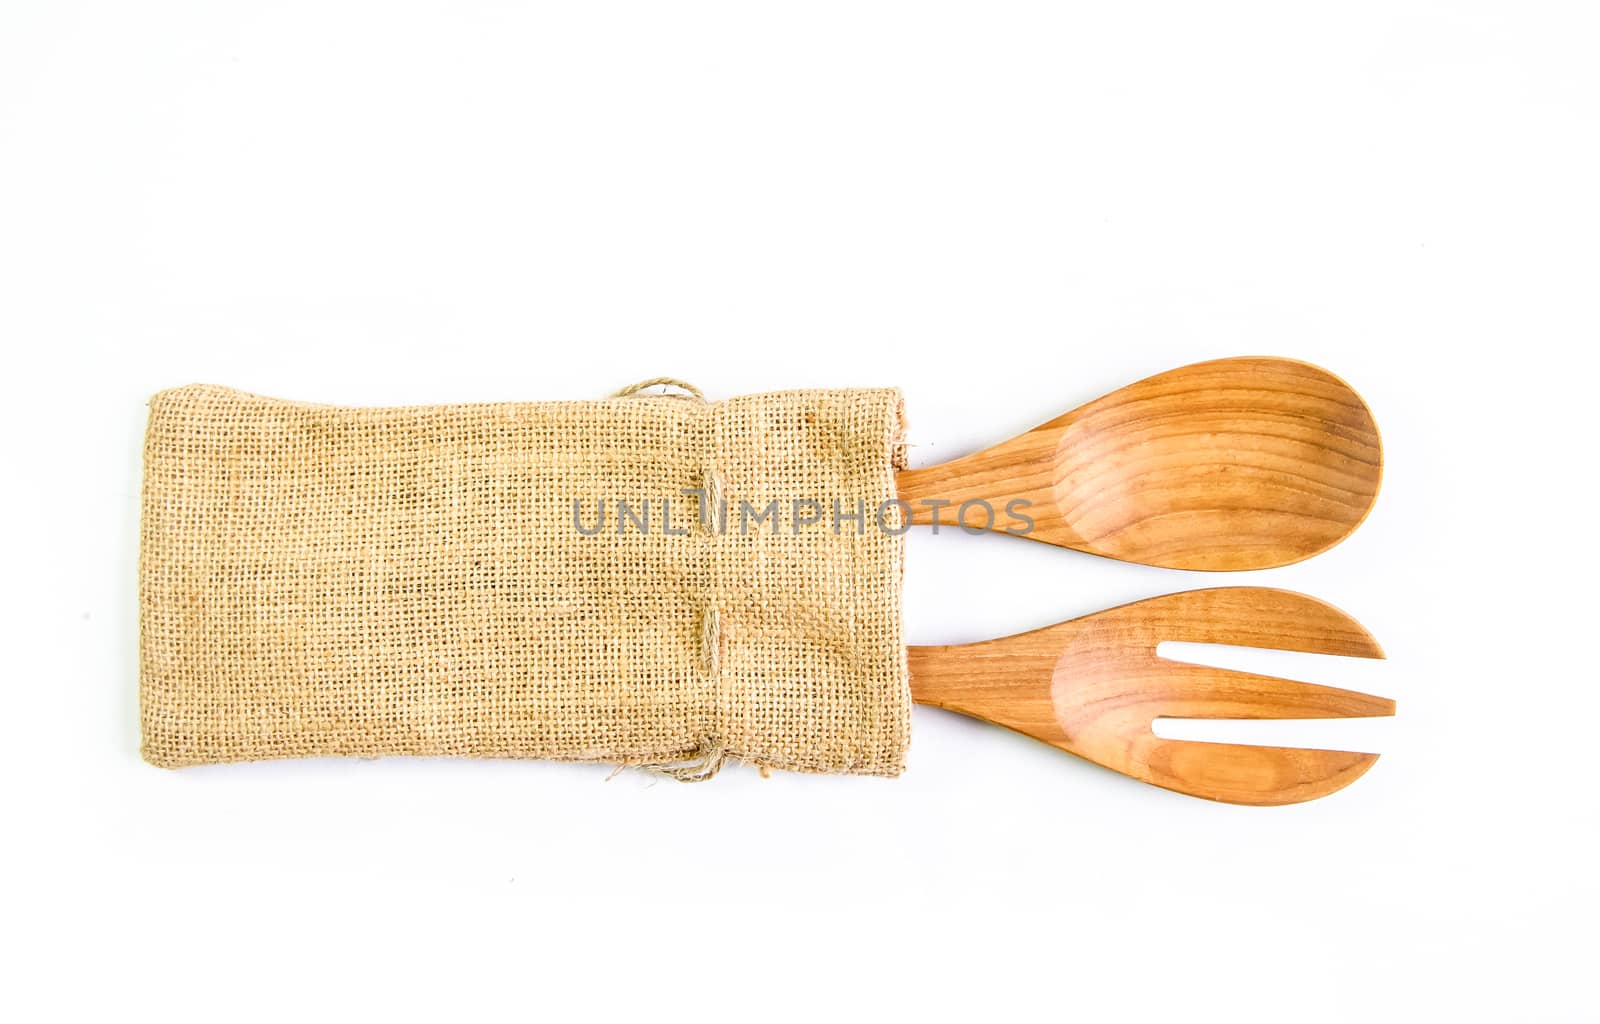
x,y
1242,463
1093,686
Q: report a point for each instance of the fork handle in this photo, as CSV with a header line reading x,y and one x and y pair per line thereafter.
x,y
1006,681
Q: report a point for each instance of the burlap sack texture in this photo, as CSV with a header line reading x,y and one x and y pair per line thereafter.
x,y
317,580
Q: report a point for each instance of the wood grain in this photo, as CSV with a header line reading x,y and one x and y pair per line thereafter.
x,y
1093,686
1234,464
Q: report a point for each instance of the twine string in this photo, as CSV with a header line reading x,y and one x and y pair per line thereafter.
x,y
710,754
699,765
685,390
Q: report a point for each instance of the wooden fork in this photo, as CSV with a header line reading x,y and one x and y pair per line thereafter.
x,y
1242,463
1094,685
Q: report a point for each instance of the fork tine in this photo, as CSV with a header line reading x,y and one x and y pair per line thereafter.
x,y
1200,691
1259,776
1280,620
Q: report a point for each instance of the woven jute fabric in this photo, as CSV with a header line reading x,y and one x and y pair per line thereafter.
x,y
318,580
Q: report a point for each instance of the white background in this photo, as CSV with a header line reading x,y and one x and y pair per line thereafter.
x,y
1004,209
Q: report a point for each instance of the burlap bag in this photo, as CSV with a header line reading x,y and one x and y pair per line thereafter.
x,y
323,581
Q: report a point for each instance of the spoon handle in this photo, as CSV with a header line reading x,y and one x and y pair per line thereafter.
x,y
1007,488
